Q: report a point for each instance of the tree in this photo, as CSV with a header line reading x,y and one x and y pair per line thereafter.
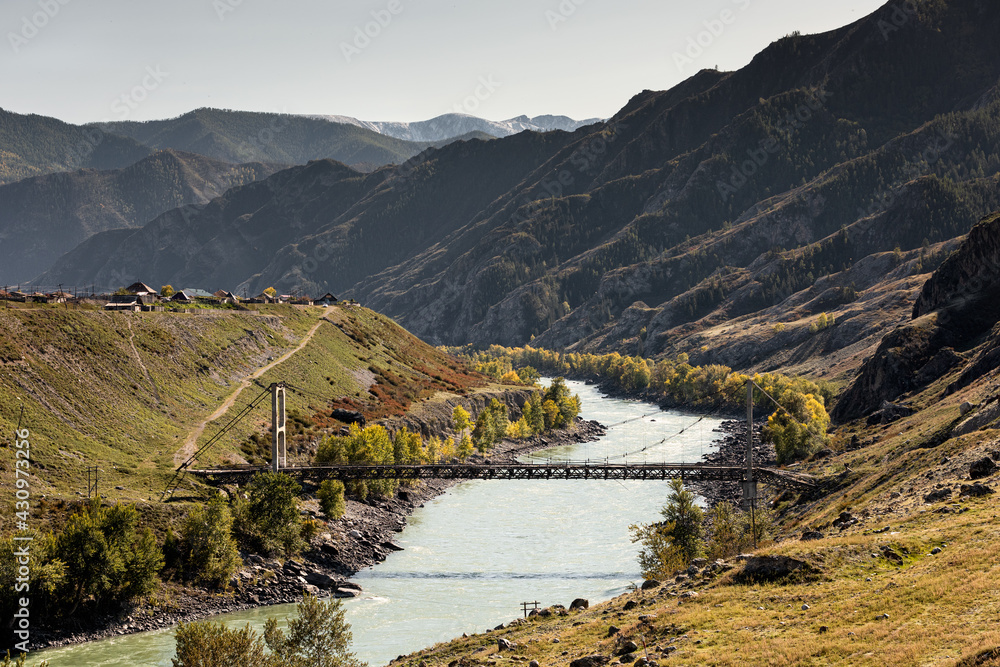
x,y
331,498
209,550
460,420
167,291
686,517
210,643
271,292
268,521
318,637
677,540
465,448
106,556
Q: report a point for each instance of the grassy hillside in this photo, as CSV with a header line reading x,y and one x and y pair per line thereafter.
x,y
122,390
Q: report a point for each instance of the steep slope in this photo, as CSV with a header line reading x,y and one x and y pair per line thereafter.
x,y
955,329
43,217
832,166
31,145
245,136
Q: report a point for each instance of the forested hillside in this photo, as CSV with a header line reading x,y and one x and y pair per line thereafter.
x,y
247,136
43,217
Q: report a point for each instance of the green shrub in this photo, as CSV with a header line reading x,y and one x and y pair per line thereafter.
x,y
331,498
209,550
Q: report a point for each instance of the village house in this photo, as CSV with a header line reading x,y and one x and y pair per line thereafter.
x,y
125,302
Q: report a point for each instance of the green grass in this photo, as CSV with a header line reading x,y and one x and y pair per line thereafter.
x,y
88,402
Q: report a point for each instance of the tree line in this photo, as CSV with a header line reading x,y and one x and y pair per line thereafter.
x,y
797,431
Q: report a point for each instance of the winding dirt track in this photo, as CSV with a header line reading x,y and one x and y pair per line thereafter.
x,y
191,441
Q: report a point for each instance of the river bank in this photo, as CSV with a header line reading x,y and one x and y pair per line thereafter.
x,y
359,539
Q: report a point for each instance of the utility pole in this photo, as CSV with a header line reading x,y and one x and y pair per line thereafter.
x,y
279,452
749,482
92,482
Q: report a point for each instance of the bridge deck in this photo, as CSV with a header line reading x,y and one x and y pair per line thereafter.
x,y
612,471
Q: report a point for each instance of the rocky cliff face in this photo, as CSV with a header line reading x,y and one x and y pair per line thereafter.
x,y
956,308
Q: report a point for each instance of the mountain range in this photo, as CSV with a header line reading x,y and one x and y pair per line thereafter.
x,y
450,125
721,218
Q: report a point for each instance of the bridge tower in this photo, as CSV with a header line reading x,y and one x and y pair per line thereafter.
x,y
279,452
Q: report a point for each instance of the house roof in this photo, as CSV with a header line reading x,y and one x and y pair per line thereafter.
x,y
126,299
140,288
194,293
328,297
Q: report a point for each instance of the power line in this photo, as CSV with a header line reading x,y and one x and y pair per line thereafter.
x,y
175,481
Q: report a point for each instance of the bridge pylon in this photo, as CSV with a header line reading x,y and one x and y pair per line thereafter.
x,y
279,451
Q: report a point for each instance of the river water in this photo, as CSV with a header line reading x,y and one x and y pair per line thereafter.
x,y
474,554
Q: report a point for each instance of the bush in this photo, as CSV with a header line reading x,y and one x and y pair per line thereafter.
x,y
107,557
675,542
208,644
331,498
318,637
209,550
268,521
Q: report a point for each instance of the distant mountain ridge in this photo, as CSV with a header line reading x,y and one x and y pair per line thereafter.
x,y
720,218
43,217
450,125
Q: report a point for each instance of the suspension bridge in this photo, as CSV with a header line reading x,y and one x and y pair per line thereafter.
x,y
747,475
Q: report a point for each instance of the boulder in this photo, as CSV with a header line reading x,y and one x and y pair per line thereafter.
x,y
321,580
626,658
627,646
348,417
975,490
590,661
630,605
811,535
891,556
650,584
984,467
504,645
938,495
773,567
579,603
342,592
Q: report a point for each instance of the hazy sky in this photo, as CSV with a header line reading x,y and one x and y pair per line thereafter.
x,y
90,60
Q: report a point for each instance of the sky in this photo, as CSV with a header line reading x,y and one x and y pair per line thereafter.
x,y
380,60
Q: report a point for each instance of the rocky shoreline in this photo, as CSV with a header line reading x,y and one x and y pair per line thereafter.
x,y
361,538
732,452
